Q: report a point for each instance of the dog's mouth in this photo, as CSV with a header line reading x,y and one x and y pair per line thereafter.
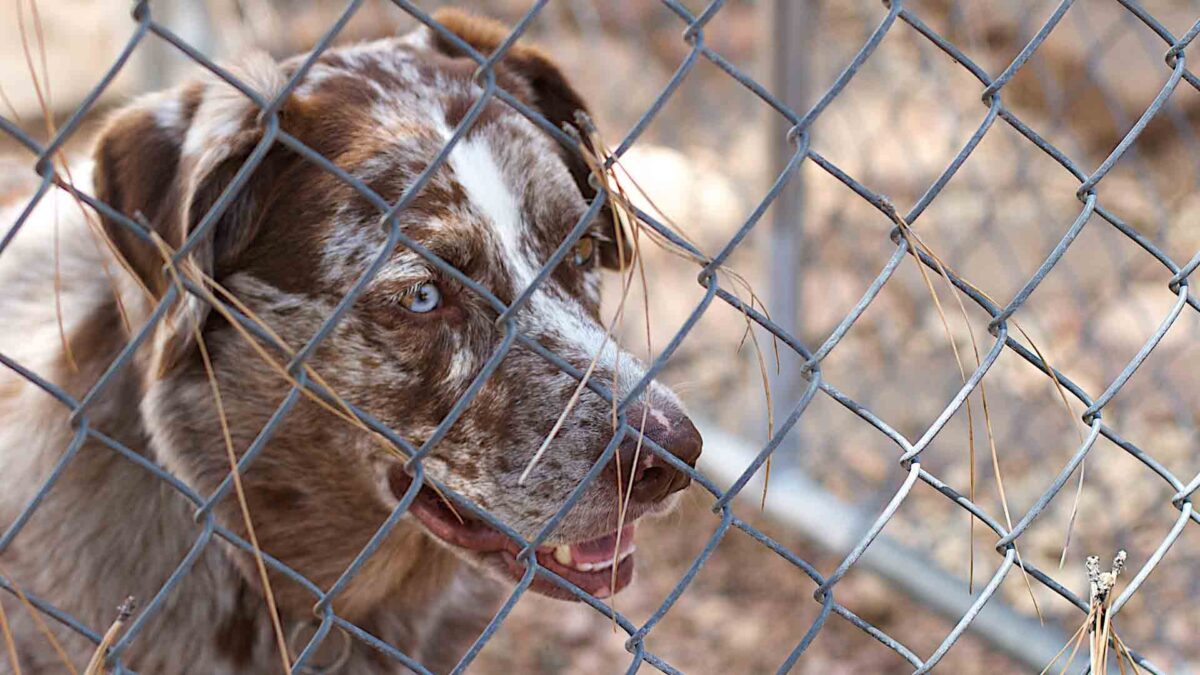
x,y
586,564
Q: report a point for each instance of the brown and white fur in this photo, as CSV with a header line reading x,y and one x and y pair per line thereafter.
x,y
290,247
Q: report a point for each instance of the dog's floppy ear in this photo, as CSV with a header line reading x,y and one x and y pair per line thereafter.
x,y
548,89
164,161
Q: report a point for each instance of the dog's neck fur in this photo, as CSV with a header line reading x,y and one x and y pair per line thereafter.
x,y
109,529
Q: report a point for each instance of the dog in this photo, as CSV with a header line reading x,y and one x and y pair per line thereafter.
x,y
292,242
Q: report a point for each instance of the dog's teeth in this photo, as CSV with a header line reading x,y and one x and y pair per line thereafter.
x,y
592,567
563,555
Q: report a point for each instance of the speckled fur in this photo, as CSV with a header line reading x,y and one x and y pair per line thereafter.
x,y
290,247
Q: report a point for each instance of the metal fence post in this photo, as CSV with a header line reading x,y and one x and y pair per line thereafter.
x,y
791,35
162,64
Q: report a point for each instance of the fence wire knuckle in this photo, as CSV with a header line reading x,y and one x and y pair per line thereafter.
x,y
998,117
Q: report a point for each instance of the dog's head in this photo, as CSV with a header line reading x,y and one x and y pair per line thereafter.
x,y
293,240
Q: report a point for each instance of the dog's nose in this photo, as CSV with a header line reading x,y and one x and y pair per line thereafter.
x,y
654,479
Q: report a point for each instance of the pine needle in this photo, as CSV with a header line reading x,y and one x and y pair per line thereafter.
x,y
10,645
41,86
96,665
1100,615
620,213
1075,639
578,392
235,472
40,623
604,165
912,237
623,231
1097,625
43,102
1046,367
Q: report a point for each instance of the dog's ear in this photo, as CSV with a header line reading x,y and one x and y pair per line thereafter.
x,y
548,90
164,161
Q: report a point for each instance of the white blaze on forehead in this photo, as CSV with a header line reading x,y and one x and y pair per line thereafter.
x,y
476,169
482,179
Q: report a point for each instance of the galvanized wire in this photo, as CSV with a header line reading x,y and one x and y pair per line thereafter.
x,y
1092,212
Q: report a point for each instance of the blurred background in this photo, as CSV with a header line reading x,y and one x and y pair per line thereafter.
x,y
707,159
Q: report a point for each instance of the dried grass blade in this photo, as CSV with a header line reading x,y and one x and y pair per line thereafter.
x,y
1073,639
1125,650
12,110
605,343
912,236
621,199
45,106
43,103
1062,395
575,395
245,509
1083,632
562,417
10,645
40,33
40,623
1049,370
96,665
962,372
623,504
235,473
242,503
1104,638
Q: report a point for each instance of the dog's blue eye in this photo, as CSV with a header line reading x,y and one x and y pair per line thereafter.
x,y
422,299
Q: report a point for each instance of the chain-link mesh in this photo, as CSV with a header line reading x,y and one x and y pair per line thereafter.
x,y
1093,209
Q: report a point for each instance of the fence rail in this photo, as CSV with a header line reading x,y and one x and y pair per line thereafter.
x,y
1093,211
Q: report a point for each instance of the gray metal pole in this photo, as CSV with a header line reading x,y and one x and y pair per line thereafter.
x,y
162,64
798,501
791,39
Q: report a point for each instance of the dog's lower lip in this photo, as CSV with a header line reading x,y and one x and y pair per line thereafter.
x,y
600,566
600,583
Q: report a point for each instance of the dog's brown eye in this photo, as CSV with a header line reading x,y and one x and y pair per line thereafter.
x,y
585,252
423,298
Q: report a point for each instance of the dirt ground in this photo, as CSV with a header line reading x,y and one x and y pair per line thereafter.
x,y
744,612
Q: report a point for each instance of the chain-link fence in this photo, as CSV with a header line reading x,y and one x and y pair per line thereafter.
x,y
1052,176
